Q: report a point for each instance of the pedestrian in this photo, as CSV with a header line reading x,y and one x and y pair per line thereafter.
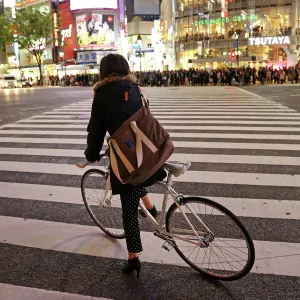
x,y
117,98
282,76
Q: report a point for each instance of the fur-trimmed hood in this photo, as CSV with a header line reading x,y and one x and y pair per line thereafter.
x,y
111,79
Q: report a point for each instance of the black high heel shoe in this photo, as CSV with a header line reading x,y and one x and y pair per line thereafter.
x,y
133,264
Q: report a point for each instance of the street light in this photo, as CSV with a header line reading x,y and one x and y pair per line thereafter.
x,y
61,55
139,42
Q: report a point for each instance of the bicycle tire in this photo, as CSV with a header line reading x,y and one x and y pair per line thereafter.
x,y
107,210
251,250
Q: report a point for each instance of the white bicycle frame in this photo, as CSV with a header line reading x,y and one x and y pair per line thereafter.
x,y
160,226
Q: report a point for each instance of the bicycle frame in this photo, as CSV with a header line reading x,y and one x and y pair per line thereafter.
x,y
176,197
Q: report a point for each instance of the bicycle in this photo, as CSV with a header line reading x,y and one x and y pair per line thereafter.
x,y
189,225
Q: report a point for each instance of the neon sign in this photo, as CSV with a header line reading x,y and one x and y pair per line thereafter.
x,y
55,25
270,40
226,20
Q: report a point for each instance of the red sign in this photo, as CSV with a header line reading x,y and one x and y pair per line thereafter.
x,y
109,19
68,31
233,55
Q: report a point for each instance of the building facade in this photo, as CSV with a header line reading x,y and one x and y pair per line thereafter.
x,y
90,30
168,32
230,33
20,61
144,46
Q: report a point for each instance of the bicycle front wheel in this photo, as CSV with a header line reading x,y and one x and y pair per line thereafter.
x,y
215,243
106,212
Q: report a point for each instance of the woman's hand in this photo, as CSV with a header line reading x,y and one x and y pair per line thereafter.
x,y
83,165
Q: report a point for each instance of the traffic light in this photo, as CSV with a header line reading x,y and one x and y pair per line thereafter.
x,y
233,55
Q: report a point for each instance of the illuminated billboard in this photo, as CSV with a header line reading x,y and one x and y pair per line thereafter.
x,y
93,4
146,7
95,30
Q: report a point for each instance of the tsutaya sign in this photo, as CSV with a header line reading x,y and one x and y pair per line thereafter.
x,y
270,40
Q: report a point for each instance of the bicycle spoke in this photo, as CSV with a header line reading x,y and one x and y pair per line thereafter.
x,y
221,257
213,253
232,247
231,256
204,257
192,252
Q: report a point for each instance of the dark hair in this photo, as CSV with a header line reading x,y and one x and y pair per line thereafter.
x,y
113,65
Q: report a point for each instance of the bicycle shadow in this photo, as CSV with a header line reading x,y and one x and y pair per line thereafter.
x,y
169,282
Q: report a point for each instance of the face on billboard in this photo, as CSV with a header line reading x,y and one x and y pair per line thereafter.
x,y
95,30
85,4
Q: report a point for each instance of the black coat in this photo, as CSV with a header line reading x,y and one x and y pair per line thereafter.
x,y
109,111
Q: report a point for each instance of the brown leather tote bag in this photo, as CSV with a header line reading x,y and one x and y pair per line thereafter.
x,y
139,147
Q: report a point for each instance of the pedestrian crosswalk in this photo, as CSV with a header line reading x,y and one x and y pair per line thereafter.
x,y
244,151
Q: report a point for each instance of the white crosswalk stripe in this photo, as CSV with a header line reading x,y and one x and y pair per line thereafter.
x,y
244,151
12,292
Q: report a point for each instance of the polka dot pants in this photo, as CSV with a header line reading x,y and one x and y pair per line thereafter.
x,y
130,203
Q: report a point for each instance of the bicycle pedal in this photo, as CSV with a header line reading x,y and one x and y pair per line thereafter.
x,y
167,246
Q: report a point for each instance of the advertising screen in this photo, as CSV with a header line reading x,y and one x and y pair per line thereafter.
x,y
95,30
146,7
85,4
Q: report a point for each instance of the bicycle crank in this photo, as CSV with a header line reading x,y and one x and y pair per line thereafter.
x,y
169,244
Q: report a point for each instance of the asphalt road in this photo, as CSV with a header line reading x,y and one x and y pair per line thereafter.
x,y
17,104
285,94
244,151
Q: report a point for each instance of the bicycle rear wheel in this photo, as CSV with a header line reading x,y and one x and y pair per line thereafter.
x,y
219,246
106,213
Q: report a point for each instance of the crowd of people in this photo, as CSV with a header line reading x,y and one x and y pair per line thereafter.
x,y
73,80
228,76
193,77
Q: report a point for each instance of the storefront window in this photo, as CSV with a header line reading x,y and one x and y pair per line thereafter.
x,y
207,29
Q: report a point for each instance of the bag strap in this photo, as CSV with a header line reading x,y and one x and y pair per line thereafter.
x,y
140,135
113,146
145,100
114,163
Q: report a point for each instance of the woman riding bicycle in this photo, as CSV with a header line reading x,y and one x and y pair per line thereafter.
x,y
116,99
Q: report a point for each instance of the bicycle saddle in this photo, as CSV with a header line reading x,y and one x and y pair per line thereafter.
x,y
177,168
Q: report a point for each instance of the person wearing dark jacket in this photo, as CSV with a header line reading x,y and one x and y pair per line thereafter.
x,y
116,99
